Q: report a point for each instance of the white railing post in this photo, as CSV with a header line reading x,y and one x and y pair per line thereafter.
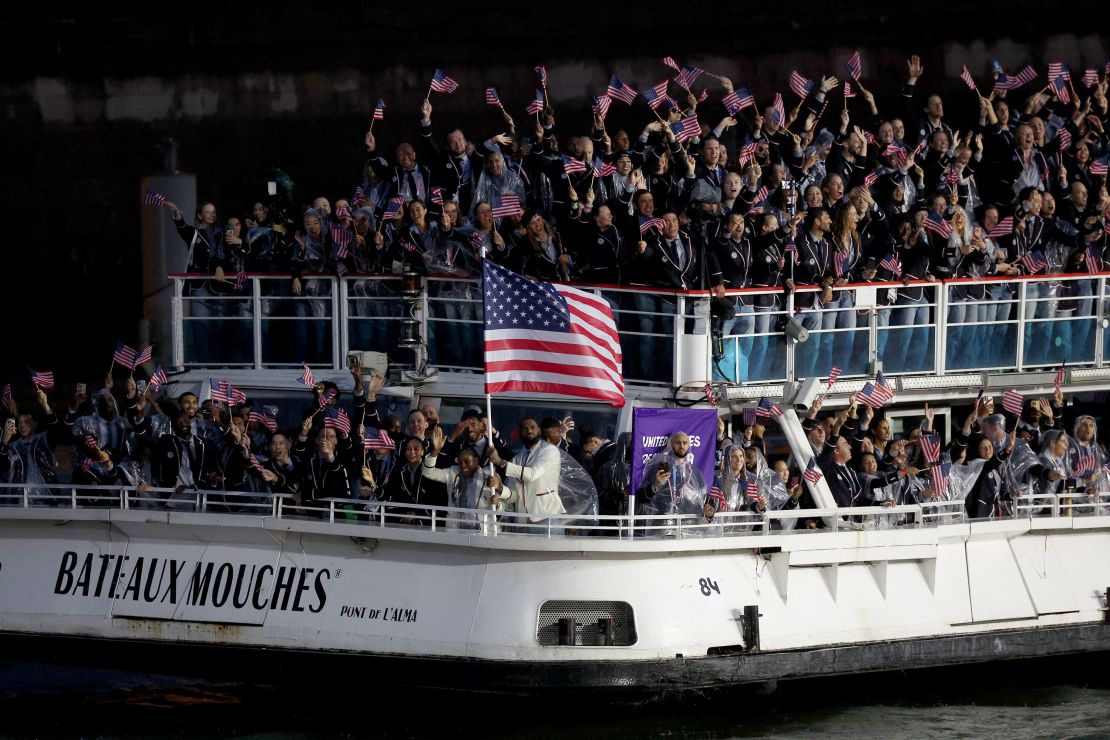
x,y
788,307
1100,316
336,357
940,331
256,321
676,337
177,317
341,319
1019,360
631,515
873,329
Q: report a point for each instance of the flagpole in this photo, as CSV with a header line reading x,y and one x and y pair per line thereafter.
x,y
489,396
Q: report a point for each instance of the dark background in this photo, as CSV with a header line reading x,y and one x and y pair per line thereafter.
x,y
71,257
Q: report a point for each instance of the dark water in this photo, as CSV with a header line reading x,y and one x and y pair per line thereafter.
x,y
1052,698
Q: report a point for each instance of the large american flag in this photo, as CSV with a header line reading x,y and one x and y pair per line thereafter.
x,y
622,91
549,339
441,83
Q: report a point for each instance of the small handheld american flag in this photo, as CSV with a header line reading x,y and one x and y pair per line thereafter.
x,y
379,110
1012,401
687,76
327,396
536,104
767,408
855,66
717,497
336,418
147,355
647,223
1003,228
601,105
965,75
1090,77
833,375
622,91
377,439
505,204
307,377
938,226
124,356
930,447
157,379
572,165
813,473
778,110
800,85
732,103
492,98
257,417
1059,379
656,95
441,83
939,474
6,395
154,199
255,463
393,208
686,129
43,379
891,264
1034,262
541,75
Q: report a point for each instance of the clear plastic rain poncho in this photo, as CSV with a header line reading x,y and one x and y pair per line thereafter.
x,y
577,491
907,489
684,491
742,490
32,462
1086,461
1017,476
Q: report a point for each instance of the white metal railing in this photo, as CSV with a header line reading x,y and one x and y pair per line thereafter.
x,y
1020,323
486,522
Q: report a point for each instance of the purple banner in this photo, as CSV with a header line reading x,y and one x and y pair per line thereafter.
x,y
652,427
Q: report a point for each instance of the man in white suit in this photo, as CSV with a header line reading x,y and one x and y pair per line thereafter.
x,y
532,477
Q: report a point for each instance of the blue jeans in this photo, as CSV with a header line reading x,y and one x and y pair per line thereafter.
x,y
909,349
738,351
